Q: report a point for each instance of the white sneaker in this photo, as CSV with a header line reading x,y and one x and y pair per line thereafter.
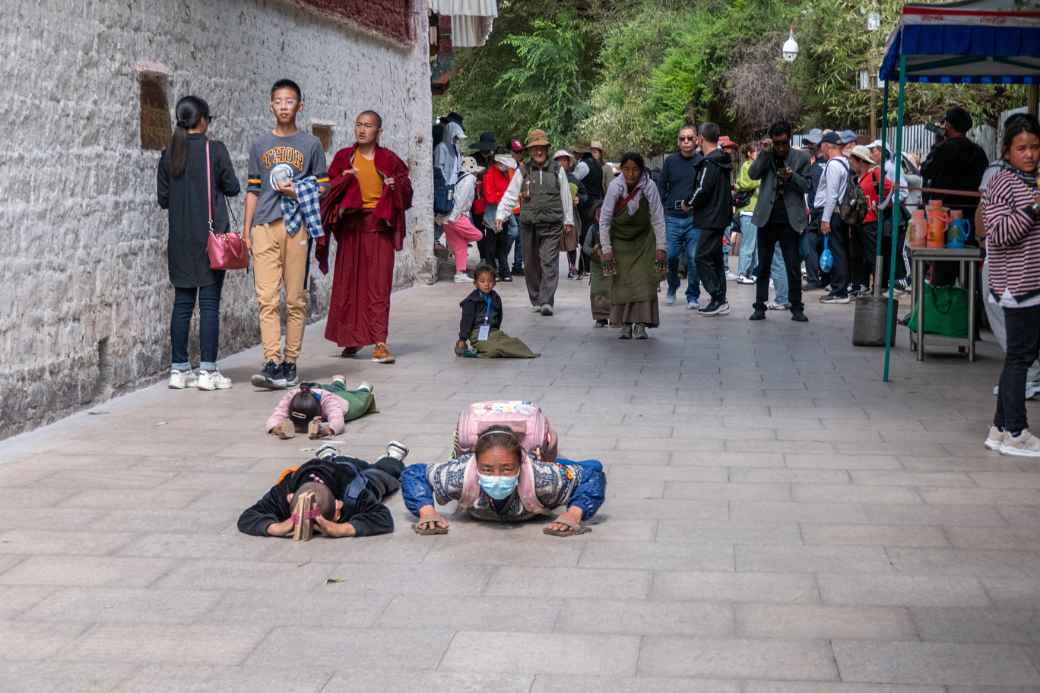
x,y
693,305
1032,389
746,280
995,438
213,380
462,278
731,275
1025,444
778,306
397,450
996,390
366,386
180,380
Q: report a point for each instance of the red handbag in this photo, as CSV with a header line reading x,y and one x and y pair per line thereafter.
x,y
227,251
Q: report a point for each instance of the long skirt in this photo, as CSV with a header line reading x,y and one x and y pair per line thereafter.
x,y
599,290
499,345
359,309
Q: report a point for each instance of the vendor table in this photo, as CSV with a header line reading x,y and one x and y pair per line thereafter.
x,y
966,259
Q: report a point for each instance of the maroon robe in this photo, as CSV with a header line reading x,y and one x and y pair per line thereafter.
x,y
366,240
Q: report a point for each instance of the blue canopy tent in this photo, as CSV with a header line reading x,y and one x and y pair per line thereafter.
x,y
969,42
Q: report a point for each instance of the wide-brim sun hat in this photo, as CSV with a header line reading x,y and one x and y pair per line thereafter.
x,y
563,153
596,144
536,138
470,165
862,153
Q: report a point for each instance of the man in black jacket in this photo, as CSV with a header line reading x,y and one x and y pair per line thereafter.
x,y
348,492
780,215
712,204
955,163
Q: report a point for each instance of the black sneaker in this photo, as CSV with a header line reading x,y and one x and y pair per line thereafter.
x,y
289,377
798,316
518,271
759,314
714,308
270,377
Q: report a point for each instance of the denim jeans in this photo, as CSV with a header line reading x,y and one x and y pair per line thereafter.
x,y
748,246
682,240
778,272
839,246
518,247
209,324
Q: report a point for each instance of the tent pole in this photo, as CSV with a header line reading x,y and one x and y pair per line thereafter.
x,y
878,261
890,308
1034,96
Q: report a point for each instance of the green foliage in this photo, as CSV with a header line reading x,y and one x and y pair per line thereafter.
x,y
547,83
632,73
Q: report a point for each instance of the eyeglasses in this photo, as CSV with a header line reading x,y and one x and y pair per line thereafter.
x,y
687,138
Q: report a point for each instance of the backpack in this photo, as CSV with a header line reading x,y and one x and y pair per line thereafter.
x,y
442,197
852,206
525,419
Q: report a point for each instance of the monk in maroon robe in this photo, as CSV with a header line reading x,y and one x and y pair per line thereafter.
x,y
365,211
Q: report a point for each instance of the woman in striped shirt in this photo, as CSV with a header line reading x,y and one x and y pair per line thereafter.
x,y
1012,219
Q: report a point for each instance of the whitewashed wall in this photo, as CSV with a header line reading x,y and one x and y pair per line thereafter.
x,y
84,292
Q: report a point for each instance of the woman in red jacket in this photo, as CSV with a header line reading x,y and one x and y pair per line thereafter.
x,y
496,180
868,174
370,192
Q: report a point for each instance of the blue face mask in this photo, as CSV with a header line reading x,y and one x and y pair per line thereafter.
x,y
498,487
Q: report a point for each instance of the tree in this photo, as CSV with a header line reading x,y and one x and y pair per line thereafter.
x,y
548,85
758,87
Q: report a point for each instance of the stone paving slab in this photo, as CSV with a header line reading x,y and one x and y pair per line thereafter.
x,y
778,521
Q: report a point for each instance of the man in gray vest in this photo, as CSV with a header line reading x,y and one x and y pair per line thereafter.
x,y
541,189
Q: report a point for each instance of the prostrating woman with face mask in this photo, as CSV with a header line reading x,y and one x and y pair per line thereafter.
x,y
502,482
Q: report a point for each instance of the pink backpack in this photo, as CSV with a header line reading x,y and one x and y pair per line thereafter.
x,y
525,419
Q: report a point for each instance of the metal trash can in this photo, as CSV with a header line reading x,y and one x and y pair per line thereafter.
x,y
868,327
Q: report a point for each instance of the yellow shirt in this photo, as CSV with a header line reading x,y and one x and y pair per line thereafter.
x,y
370,181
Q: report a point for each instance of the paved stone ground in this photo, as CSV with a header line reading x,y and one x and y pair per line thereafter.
x,y
779,521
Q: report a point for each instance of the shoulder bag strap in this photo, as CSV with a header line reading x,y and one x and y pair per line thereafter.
x,y
209,191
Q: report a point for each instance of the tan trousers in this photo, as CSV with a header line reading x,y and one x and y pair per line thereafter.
x,y
278,261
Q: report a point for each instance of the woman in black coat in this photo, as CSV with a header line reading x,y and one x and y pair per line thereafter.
x,y
182,181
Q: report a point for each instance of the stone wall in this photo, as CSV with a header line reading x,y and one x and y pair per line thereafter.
x,y
85,303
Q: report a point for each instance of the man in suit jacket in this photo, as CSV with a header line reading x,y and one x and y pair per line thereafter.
x,y
780,215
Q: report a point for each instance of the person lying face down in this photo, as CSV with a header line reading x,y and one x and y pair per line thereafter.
x,y
501,482
347,496
320,410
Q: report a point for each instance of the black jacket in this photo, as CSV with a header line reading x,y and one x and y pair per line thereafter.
x,y
370,517
185,198
955,164
594,186
473,307
676,182
712,199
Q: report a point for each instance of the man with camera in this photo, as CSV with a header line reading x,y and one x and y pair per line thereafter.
x,y
780,215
